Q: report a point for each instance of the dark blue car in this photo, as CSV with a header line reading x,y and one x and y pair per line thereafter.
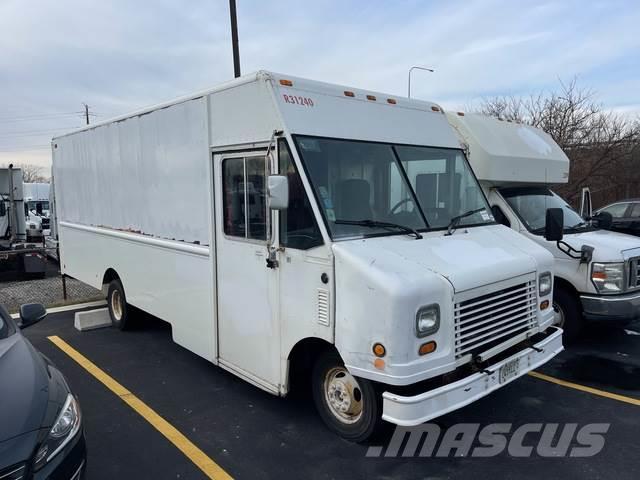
x,y
41,432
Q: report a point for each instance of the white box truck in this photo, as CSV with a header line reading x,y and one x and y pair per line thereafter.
x,y
597,271
277,224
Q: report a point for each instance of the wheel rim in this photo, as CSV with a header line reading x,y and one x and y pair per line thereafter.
x,y
116,305
558,315
343,395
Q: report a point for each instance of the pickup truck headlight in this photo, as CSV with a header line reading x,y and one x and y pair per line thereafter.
x,y
545,283
63,430
428,320
608,277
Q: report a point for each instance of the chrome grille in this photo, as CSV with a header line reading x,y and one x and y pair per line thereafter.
x,y
634,272
488,320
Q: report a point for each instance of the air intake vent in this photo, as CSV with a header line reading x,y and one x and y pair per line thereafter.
x,y
323,307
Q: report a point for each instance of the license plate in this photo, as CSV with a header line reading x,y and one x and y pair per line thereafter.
x,y
4,256
509,370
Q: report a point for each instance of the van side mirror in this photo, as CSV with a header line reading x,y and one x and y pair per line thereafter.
x,y
278,192
30,314
554,226
604,220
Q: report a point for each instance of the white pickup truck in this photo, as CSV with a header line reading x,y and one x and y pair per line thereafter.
x,y
597,272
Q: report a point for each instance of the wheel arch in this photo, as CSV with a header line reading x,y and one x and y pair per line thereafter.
x,y
300,361
109,275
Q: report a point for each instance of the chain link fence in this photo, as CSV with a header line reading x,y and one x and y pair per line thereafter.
x,y
33,276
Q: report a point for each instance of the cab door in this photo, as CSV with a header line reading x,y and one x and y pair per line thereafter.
x,y
247,306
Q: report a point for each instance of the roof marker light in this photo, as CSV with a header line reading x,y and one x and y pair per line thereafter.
x,y
371,97
347,93
392,101
435,109
286,83
461,114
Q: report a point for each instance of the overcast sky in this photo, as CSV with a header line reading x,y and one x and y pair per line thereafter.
x,y
120,55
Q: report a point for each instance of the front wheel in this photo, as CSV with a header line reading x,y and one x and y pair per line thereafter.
x,y
349,406
117,302
568,314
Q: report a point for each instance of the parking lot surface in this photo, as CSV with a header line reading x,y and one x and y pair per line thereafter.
x,y
251,434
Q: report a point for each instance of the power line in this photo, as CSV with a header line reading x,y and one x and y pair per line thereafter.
x,y
25,148
40,116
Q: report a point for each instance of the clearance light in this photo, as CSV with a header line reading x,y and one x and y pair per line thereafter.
x,y
347,93
286,83
427,348
391,101
371,97
461,114
378,363
435,109
544,305
379,350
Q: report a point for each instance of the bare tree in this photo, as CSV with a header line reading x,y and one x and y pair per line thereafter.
x,y
31,173
602,146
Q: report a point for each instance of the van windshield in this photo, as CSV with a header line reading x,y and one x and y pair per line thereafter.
x,y
371,189
531,204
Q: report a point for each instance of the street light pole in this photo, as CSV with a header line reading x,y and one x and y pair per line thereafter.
x,y
234,38
415,67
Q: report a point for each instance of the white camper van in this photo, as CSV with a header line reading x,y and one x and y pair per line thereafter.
x,y
311,254
597,271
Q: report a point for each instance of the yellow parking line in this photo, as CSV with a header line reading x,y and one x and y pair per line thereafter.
x,y
584,388
182,443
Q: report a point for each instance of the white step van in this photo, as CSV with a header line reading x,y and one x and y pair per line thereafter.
x,y
597,272
279,225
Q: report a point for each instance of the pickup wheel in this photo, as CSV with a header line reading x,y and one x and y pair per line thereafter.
x,y
349,406
117,302
568,313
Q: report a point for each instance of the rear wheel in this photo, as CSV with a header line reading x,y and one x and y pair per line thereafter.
x,y
349,406
568,314
117,302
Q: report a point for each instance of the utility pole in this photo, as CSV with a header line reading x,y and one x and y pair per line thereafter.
x,y
86,113
234,38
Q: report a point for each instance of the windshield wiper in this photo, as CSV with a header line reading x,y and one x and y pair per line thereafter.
x,y
455,220
374,223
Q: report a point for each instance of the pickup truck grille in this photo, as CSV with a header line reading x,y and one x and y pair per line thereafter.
x,y
45,223
488,320
634,272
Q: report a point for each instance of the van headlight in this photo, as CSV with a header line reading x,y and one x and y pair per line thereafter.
x,y
428,320
545,283
63,430
608,277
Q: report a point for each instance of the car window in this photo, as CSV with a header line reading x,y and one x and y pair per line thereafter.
x,y
636,210
6,324
617,210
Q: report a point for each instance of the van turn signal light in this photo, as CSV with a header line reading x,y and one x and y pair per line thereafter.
x,y
379,350
427,348
544,305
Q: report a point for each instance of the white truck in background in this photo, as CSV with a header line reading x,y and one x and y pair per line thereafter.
x,y
17,257
36,208
312,255
597,272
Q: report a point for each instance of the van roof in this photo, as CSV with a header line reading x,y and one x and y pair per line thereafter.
x,y
300,83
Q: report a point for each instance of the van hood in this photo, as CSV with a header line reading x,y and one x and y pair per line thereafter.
x,y
468,259
609,246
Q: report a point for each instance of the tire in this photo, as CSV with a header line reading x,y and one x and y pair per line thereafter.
x,y
355,412
117,302
569,313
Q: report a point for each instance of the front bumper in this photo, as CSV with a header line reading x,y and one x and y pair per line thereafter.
x,y
611,307
410,411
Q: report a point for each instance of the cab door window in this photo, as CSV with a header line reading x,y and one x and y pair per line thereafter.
x,y
298,226
244,197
